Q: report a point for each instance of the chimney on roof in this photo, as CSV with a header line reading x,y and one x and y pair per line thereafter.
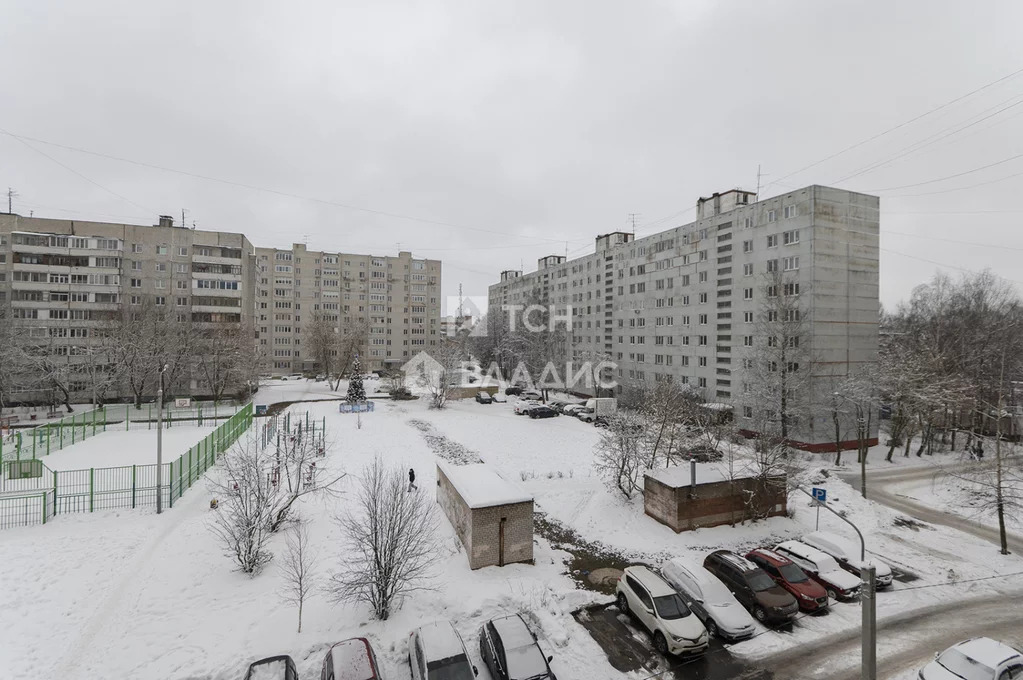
x,y
166,221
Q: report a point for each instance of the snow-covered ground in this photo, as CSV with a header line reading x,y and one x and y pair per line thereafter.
x,y
129,594
133,447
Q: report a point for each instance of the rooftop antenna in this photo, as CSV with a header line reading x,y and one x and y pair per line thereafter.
x,y
759,175
632,220
11,194
183,218
459,303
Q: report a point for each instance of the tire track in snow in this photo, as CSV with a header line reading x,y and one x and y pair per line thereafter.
x,y
446,448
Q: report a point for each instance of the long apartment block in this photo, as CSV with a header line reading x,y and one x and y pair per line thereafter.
x,y
63,279
396,300
685,302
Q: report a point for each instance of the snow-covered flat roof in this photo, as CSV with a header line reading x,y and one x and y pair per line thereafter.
x,y
678,475
480,486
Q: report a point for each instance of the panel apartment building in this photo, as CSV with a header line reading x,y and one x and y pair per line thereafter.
x,y
685,302
63,279
396,298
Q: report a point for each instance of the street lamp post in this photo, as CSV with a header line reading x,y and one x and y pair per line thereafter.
x,y
159,444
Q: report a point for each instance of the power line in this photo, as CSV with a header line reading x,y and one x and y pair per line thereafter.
x,y
958,174
953,189
899,126
999,246
252,187
73,171
932,139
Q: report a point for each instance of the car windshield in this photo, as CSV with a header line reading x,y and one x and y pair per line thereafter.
x,y
759,581
792,573
451,668
670,607
956,662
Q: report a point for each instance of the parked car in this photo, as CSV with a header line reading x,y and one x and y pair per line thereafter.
x,y
513,390
978,658
572,409
483,397
675,629
321,377
822,568
847,554
603,406
510,650
709,599
705,453
272,668
765,599
586,414
436,652
523,405
809,594
532,394
499,398
350,660
557,404
293,376
542,412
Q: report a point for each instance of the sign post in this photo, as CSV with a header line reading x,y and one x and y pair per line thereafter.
x,y
821,497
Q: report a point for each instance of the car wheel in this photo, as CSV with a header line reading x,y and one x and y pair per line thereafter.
x,y
760,614
623,603
660,644
832,594
712,628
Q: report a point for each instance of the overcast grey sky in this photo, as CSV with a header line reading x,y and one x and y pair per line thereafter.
x,y
532,126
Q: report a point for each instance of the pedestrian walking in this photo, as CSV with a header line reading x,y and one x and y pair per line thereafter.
x,y
412,480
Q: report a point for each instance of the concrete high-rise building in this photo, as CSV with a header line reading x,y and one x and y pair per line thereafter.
x,y
396,299
63,281
689,302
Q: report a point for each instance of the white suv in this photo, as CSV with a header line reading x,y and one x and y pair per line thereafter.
x,y
662,611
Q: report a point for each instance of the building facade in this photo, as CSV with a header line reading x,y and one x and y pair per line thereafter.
x,y
395,301
65,282
689,302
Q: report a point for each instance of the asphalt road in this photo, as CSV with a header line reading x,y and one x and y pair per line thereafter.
x,y
879,488
905,643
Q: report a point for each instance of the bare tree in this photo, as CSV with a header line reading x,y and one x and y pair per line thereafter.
x,y
298,567
618,456
222,351
444,376
298,469
247,496
776,370
334,344
11,356
391,549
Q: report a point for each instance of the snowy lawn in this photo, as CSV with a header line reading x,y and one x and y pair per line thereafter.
x,y
128,594
114,448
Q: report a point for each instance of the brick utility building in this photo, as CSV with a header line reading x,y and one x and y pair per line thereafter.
x,y
396,299
685,303
492,517
674,497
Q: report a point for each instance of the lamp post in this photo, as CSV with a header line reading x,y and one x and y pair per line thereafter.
x,y
159,444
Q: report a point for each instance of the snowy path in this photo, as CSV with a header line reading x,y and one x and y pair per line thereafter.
x,y
920,633
882,487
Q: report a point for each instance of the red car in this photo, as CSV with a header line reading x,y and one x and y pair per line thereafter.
x,y
350,660
810,595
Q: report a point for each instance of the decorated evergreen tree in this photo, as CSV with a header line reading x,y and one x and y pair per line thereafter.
x,y
356,392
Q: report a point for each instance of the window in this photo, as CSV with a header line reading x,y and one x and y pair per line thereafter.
x,y
772,241
161,250
703,298
182,301
702,382
772,215
791,263
136,283
181,268
136,247
790,211
747,341
747,411
747,269
703,256
791,289
772,291
772,266
182,251
703,319
702,277
160,300
747,246
747,223
161,266
792,315
747,317
747,294
703,342
790,237
136,266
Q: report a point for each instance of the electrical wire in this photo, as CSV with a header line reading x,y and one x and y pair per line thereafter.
x,y
899,126
252,187
947,177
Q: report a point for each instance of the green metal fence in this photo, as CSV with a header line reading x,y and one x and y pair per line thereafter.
x,y
48,438
31,493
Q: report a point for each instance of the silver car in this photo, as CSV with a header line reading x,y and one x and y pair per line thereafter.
x,y
709,599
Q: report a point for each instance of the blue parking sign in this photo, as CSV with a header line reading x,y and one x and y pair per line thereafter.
x,y
820,495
